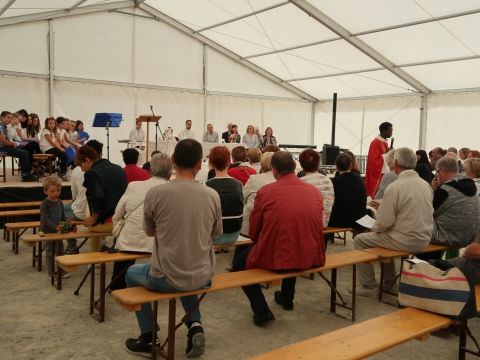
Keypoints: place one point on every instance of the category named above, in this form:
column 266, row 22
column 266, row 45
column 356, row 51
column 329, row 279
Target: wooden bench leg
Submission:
column 100, row 304
column 333, row 292
column 354, row 292
column 380, row 287
column 172, row 307
column 92, row 288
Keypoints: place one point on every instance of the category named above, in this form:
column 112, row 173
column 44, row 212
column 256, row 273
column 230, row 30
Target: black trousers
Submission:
column 119, row 267
column 61, row 156
column 254, row 292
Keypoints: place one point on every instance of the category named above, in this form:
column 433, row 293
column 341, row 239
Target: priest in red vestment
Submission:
column 378, row 147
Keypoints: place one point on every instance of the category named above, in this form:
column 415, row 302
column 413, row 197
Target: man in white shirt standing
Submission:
column 187, row 133
column 404, row 220
column 210, row 135
column 137, row 141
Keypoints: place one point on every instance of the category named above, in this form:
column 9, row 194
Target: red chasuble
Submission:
column 378, row 147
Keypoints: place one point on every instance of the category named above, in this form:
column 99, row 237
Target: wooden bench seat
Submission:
column 70, row 263
column 388, row 255
column 133, row 298
column 364, row 339
column 36, row 240
column 19, row 213
column 17, row 229
column 25, row 204
column 336, row 231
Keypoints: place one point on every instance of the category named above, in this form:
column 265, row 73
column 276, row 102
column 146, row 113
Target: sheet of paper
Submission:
column 366, row 221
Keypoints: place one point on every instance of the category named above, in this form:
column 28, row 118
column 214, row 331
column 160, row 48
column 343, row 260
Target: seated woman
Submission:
column 388, row 177
column 472, row 171
column 423, row 168
column 49, row 144
column 230, row 192
column 254, row 183
column 82, row 134
column 253, row 156
column 350, row 195
column 132, row 237
column 310, row 162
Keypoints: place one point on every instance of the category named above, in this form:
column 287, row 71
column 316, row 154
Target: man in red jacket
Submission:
column 378, row 147
column 287, row 231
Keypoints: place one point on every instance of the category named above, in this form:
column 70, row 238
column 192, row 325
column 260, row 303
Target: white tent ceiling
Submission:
column 355, row 48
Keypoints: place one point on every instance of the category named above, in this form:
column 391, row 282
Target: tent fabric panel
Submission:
column 363, row 84
column 175, row 107
column 202, row 13
column 450, row 75
column 25, row 7
column 290, row 121
column 172, row 59
column 21, row 92
column 242, row 112
column 80, row 101
column 31, row 54
column 329, row 58
column 453, row 120
column 418, row 43
column 402, row 112
column 102, row 49
column 224, row 74
column 267, row 31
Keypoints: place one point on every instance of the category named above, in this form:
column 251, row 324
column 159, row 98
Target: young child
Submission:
column 52, row 214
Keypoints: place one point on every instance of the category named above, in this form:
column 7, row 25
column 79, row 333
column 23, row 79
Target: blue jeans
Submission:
column 226, row 238
column 139, row 275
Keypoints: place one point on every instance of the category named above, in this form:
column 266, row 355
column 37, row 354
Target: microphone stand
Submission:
column 157, row 129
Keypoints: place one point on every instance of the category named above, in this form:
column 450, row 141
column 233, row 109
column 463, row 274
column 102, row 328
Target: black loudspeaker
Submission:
column 330, row 153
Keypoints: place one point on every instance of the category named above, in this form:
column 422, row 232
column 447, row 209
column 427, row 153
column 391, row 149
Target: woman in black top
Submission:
column 350, row 195
column 231, row 195
column 423, row 168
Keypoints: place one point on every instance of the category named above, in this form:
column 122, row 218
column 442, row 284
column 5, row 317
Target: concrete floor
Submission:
column 39, row 322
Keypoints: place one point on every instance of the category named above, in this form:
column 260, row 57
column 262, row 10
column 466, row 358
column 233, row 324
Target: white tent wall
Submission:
column 358, row 121
column 21, row 92
column 453, row 120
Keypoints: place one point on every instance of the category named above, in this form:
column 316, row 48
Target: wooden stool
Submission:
column 48, row 158
column 4, row 166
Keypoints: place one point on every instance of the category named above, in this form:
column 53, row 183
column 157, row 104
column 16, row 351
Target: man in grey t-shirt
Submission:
column 184, row 216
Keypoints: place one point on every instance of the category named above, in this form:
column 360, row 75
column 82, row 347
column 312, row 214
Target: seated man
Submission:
column 184, row 216
column 11, row 149
column 286, row 227
column 132, row 171
column 404, row 219
column 455, row 204
column 240, row 168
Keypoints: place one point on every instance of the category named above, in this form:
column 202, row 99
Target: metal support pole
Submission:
column 312, row 124
column 334, row 118
column 51, row 67
column 363, row 128
column 422, row 141
column 204, row 87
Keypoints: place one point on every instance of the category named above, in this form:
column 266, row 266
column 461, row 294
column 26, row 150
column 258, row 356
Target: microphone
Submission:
column 391, row 143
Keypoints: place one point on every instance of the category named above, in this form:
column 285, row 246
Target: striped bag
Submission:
column 424, row 286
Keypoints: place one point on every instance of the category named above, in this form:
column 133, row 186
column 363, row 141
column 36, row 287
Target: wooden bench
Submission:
column 37, row 239
column 70, row 263
column 3, row 160
column 388, row 255
column 335, row 230
column 25, row 204
column 462, row 339
column 48, row 158
column 364, row 339
column 17, row 229
column 133, row 298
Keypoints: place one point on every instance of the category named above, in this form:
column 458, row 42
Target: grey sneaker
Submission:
column 195, row 342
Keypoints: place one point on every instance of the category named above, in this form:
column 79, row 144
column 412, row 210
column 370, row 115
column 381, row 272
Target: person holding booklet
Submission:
column 404, row 220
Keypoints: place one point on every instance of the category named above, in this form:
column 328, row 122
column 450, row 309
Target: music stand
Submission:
column 107, row 120
column 148, row 119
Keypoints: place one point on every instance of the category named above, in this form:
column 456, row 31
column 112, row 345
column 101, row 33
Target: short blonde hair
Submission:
column 266, row 162
column 52, row 180
column 473, row 166
column 254, row 155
